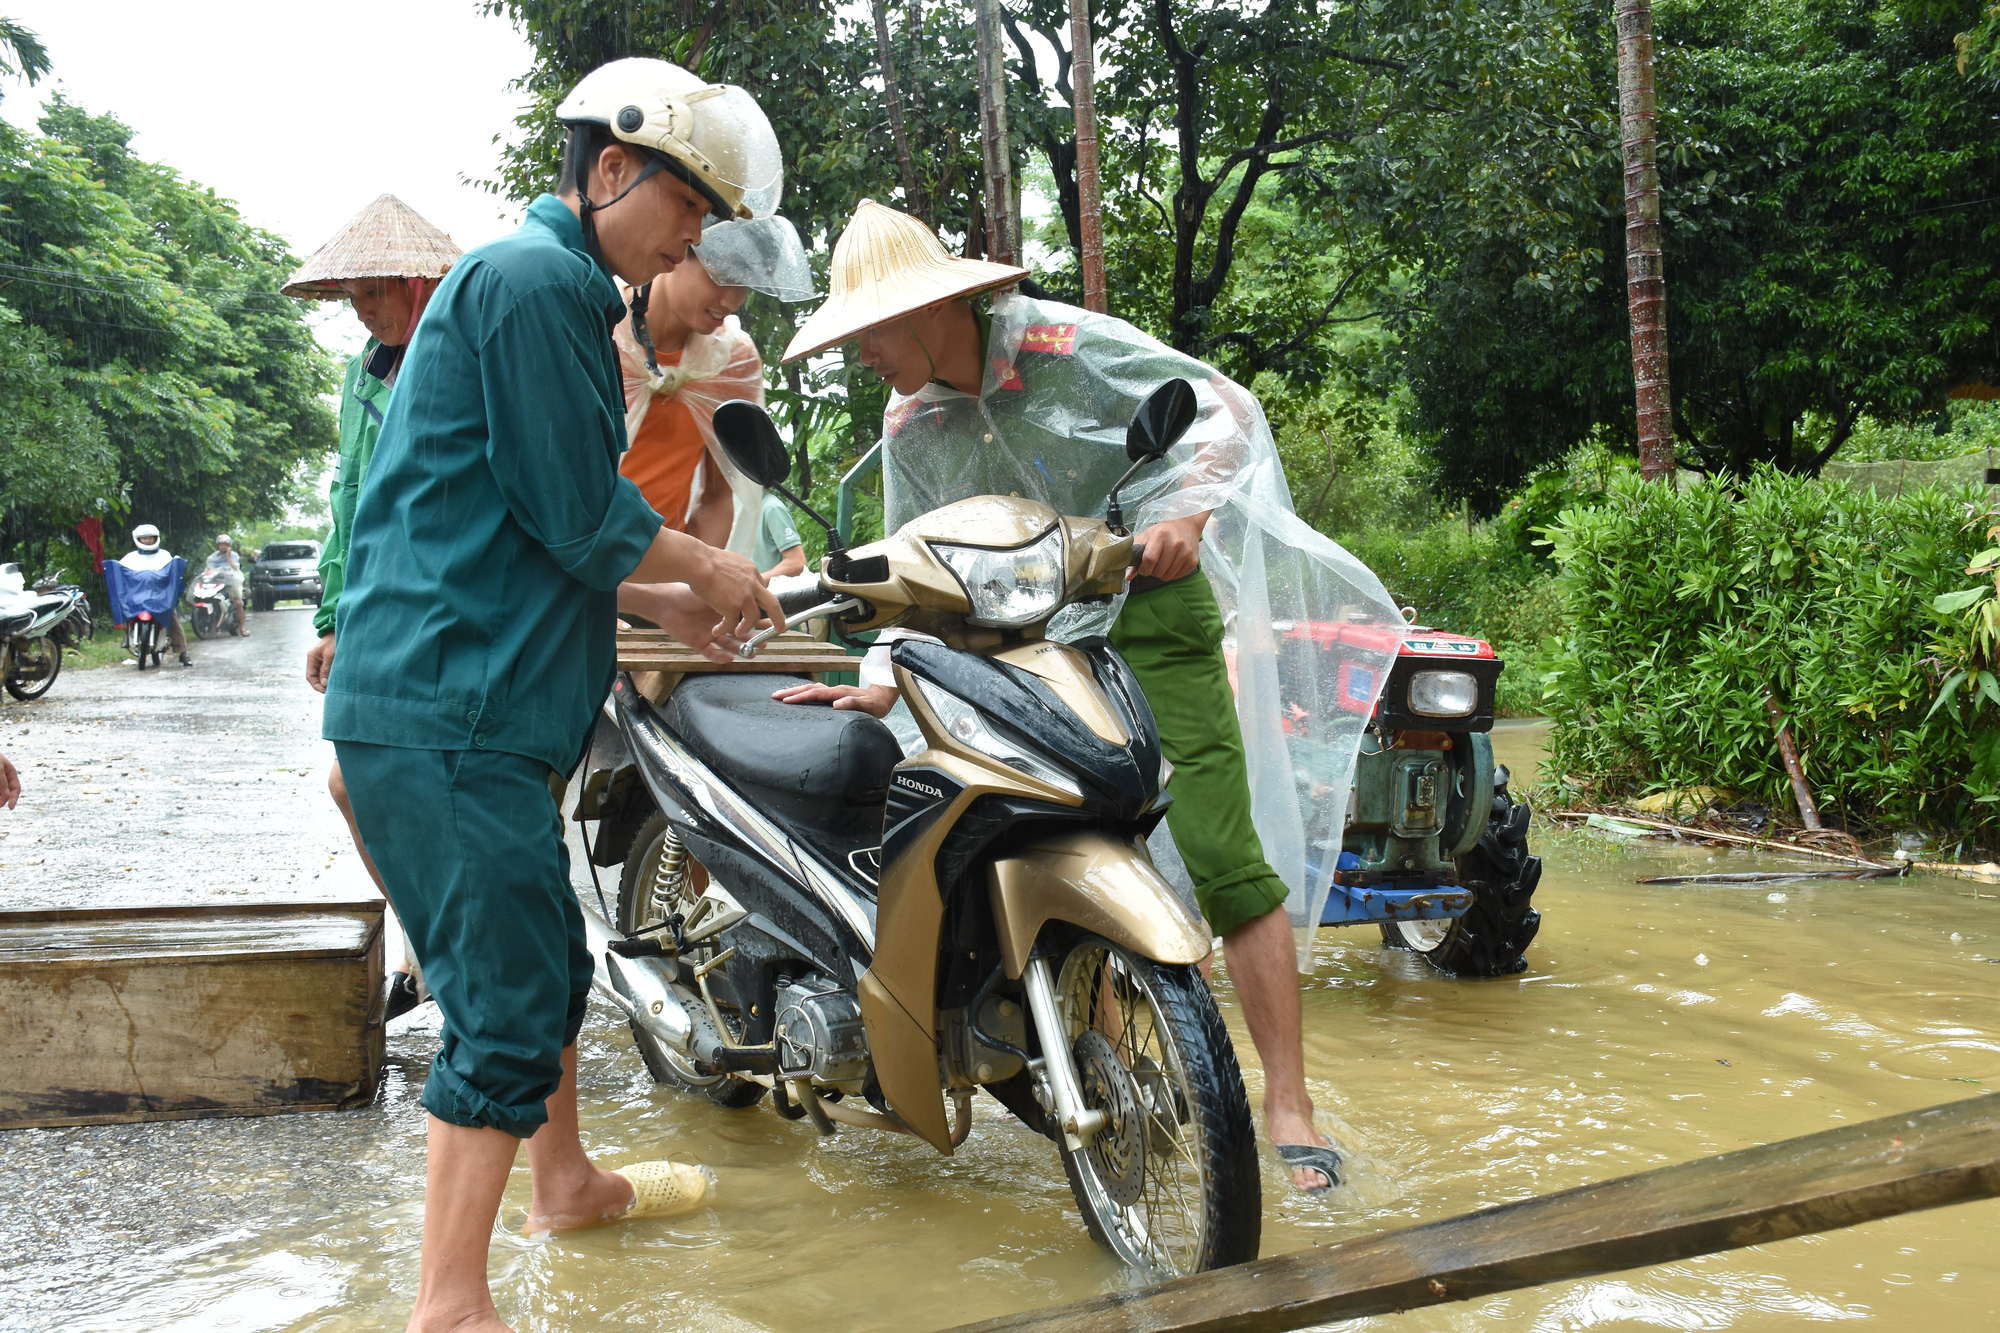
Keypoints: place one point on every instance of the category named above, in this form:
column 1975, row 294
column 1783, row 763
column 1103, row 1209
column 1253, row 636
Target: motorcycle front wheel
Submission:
column 1170, row 1184
column 34, row 670
column 204, row 622
column 636, row 911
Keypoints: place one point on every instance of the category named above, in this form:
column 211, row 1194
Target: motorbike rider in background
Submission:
column 147, row 553
column 385, row 262
column 1033, row 398
column 224, row 561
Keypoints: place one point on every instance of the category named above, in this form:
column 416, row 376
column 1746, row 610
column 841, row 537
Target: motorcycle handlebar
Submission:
column 797, row 592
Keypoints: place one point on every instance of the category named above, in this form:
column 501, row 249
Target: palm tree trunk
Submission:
column 1002, row 209
column 1645, row 278
column 915, row 197
column 1089, row 195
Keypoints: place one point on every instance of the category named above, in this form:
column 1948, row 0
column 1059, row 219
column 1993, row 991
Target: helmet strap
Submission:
column 580, row 145
column 642, row 296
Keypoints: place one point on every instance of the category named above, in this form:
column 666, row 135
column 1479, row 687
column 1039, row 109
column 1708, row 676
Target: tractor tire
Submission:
column 1492, row 938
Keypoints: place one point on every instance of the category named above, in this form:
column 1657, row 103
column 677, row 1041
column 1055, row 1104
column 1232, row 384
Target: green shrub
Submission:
column 1684, row 607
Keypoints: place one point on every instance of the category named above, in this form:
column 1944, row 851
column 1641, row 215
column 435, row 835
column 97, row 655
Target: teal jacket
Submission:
column 364, row 402
column 482, row 575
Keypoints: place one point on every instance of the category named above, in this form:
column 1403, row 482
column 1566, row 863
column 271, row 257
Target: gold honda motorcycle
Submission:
column 805, row 913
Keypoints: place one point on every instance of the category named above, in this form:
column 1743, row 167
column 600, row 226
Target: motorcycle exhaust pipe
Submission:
column 636, row 989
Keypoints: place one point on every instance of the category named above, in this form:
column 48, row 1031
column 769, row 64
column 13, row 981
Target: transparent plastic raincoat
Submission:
column 714, row 368
column 1061, row 385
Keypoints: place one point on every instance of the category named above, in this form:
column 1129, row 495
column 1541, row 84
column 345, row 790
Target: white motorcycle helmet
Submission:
column 145, row 536
column 713, row 136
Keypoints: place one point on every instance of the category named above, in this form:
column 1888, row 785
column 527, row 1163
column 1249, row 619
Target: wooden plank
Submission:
column 1841, row 1177
column 150, row 1013
column 791, row 653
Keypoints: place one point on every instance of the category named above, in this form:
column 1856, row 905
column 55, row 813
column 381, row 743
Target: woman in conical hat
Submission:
column 687, row 357
column 385, row 263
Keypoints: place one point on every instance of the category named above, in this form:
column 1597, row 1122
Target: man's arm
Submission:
column 724, row 580
column 793, row 561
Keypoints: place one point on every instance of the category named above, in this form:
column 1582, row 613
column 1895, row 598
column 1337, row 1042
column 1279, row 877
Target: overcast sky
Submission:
column 301, row 114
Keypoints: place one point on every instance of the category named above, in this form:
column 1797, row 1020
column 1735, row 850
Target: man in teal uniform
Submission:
column 385, row 262
column 1034, row 399
column 493, row 545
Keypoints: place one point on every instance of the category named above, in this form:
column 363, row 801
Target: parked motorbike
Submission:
column 35, row 627
column 213, row 613
column 804, row 912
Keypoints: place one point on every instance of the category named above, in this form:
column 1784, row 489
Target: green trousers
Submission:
column 470, row 847
column 1172, row 637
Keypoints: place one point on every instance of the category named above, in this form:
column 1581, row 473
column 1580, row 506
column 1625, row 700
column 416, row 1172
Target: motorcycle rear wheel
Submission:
column 635, row 912
column 1492, row 938
column 30, row 685
column 1170, row 1184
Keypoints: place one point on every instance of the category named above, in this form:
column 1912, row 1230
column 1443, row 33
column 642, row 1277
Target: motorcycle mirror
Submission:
column 1160, row 421
column 750, row 438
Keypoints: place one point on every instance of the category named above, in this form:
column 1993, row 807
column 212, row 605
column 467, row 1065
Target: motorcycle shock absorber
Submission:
column 669, row 874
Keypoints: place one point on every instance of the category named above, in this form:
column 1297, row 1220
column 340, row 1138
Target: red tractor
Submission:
column 1434, row 848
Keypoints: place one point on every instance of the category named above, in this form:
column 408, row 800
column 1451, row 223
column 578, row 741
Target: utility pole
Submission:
column 1089, row 194
column 1645, row 278
column 1002, row 219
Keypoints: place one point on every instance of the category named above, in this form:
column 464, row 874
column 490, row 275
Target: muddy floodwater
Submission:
column 1656, row 1024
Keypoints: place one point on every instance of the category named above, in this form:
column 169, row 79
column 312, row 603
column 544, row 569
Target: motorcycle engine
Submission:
column 819, row 1032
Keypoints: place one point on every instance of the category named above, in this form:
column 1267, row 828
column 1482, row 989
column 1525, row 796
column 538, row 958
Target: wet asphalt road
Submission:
column 175, row 786
column 178, row 785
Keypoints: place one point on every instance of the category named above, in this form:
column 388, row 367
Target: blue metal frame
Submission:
column 1376, row 903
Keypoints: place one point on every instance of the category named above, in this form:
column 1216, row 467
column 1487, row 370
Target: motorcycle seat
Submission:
column 824, row 771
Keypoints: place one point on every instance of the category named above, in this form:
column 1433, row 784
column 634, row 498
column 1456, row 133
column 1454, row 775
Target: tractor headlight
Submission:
column 963, row 723
column 1443, row 694
column 1009, row 589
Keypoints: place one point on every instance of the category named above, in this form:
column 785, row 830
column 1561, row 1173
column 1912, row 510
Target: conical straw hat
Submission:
column 387, row 239
column 888, row 264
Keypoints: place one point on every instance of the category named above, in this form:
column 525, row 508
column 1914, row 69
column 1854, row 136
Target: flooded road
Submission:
column 1656, row 1024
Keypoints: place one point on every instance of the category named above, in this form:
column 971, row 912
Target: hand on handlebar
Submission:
column 731, row 585
column 1169, row 550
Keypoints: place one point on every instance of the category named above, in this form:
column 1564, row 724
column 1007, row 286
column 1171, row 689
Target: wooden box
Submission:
column 170, row 1013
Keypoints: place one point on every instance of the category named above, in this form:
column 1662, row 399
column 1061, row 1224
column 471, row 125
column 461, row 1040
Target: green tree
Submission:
column 143, row 317
column 1832, row 252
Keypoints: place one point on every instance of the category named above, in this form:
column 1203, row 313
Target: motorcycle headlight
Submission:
column 964, row 724
column 1009, row 589
column 1443, row 694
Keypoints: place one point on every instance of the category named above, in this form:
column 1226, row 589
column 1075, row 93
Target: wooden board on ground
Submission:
column 789, row 653
column 1857, row 1173
column 171, row 1013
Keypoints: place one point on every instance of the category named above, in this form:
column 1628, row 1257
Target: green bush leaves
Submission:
column 1683, row 607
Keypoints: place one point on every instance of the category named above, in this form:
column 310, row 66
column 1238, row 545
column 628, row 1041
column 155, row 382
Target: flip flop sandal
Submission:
column 1312, row 1157
column 664, row 1189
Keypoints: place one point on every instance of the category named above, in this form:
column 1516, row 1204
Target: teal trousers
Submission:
column 1172, row 638
column 469, row 843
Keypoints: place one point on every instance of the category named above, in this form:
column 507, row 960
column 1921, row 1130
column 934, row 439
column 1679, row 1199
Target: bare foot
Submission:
column 485, row 1320
column 563, row 1206
column 1288, row 1125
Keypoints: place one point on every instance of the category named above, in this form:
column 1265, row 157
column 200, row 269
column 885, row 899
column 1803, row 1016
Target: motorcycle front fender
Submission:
column 1100, row 883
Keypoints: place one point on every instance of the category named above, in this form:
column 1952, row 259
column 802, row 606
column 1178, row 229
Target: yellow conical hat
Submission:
column 888, row 264
column 387, row 239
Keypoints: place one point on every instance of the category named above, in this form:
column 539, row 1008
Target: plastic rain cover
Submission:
column 714, row 368
column 1061, row 385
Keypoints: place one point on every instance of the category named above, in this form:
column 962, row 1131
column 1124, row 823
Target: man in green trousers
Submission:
column 1033, row 398
column 493, row 546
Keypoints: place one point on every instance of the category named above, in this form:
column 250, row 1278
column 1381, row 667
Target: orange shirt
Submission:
column 664, row 455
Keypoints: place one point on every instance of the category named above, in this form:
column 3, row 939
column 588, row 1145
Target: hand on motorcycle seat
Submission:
column 874, row 700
